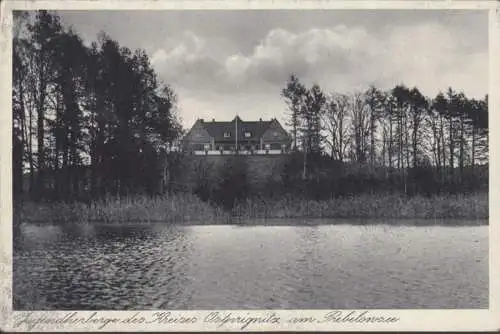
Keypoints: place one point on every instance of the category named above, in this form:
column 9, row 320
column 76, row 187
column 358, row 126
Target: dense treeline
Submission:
column 88, row 120
column 420, row 144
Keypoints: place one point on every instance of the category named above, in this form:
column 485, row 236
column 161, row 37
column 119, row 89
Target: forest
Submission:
column 95, row 112
column 406, row 142
column 96, row 130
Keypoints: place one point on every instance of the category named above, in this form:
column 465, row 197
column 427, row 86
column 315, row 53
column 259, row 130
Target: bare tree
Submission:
column 360, row 127
column 374, row 102
column 336, row 124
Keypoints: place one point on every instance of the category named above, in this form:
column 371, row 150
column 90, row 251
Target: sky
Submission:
column 223, row 63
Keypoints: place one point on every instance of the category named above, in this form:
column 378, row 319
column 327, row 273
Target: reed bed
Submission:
column 184, row 207
column 173, row 208
column 473, row 206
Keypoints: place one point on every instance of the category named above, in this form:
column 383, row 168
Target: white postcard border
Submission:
column 408, row 320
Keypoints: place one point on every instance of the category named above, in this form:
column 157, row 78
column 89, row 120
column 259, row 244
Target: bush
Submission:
column 233, row 182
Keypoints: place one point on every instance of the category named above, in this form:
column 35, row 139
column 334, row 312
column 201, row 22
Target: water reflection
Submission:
column 97, row 267
column 160, row 266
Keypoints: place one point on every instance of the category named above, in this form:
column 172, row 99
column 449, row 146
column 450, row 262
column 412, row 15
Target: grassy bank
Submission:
column 474, row 206
column 189, row 208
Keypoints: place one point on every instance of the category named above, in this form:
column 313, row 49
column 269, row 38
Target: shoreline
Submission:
column 188, row 209
column 292, row 222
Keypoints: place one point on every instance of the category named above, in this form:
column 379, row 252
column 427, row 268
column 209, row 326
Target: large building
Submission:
column 237, row 137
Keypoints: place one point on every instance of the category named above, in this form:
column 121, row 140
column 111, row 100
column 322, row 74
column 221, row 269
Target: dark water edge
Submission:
column 236, row 221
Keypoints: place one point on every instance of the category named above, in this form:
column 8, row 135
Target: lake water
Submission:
column 314, row 265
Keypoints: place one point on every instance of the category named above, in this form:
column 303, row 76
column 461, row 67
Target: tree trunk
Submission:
column 473, row 153
column 390, row 142
column 451, row 146
column 372, row 136
column 304, row 172
column 443, row 148
column 40, row 141
column 384, row 138
column 462, row 148
column 415, row 140
column 341, row 138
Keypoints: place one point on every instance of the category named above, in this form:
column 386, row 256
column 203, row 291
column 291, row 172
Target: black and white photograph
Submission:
column 250, row 159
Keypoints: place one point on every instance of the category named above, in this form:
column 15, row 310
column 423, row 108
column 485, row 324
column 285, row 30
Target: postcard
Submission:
column 249, row 165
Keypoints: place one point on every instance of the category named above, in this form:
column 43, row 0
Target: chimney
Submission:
column 201, row 120
column 213, row 120
column 260, row 119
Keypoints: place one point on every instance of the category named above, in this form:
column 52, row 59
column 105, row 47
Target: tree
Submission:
column 310, row 130
column 452, row 112
column 432, row 122
column 360, row 128
column 477, row 115
column 425, row 139
column 20, row 129
column 418, row 107
column 70, row 60
column 440, row 105
column 43, row 34
column 402, row 96
column 311, row 115
column 335, row 123
column 374, row 101
column 76, row 109
column 463, row 106
column 294, row 94
column 388, row 119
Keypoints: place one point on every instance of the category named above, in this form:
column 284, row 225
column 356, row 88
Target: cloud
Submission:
column 427, row 56
column 433, row 57
column 185, row 62
column 430, row 56
column 424, row 55
column 307, row 54
column 189, row 61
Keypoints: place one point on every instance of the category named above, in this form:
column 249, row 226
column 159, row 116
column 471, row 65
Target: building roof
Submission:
column 217, row 129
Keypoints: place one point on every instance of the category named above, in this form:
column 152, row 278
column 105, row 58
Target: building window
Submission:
column 275, row 134
column 248, row 134
column 268, row 146
column 207, row 147
column 227, row 134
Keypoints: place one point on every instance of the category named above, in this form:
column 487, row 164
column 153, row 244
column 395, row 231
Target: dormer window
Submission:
column 227, row 134
column 248, row 134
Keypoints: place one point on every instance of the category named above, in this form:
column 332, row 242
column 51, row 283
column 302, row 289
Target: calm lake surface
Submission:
column 312, row 265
